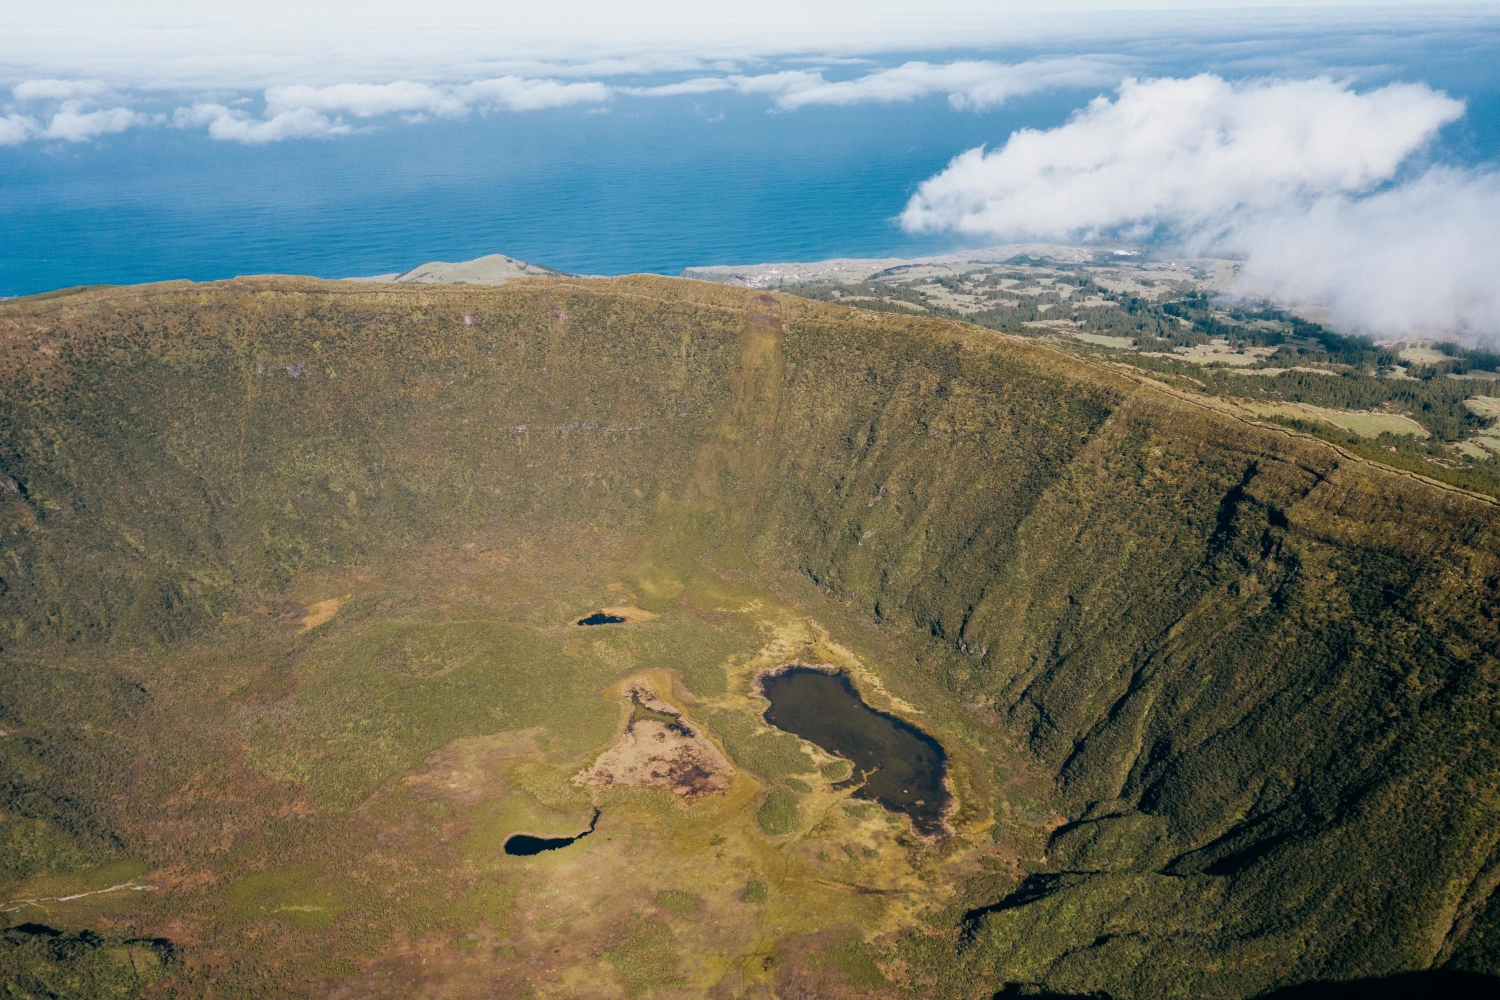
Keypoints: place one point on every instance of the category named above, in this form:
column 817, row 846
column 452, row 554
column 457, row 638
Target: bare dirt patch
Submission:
column 1273, row 372
column 1365, row 424
column 1487, row 441
column 662, row 747
column 322, row 612
column 1422, row 354
column 1123, row 343
column 1216, row 351
column 476, row 769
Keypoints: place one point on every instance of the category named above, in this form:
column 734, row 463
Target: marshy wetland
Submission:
column 659, row 747
column 1201, row 703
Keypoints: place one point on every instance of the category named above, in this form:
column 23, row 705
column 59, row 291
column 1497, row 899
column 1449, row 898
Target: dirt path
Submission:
column 17, row 904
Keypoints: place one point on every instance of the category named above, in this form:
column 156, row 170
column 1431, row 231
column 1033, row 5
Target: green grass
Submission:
column 489, row 901
column 374, row 702
column 766, row 752
column 292, row 897
column 646, row 960
column 678, row 901
column 778, row 814
column 837, row 770
column 856, row 960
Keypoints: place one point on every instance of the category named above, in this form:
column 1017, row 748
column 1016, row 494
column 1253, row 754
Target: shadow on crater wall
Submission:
column 1446, row 983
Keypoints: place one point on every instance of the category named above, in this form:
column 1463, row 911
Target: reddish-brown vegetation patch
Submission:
column 660, row 747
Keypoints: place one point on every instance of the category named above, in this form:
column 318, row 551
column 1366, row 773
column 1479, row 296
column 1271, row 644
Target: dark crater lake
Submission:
column 525, row 845
column 600, row 618
column 901, row 767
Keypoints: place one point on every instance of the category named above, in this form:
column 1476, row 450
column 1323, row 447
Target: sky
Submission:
column 162, row 44
column 1330, row 167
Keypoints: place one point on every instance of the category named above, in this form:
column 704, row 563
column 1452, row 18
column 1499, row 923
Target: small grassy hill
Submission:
column 1220, row 697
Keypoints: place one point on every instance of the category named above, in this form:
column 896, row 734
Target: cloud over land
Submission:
column 1311, row 181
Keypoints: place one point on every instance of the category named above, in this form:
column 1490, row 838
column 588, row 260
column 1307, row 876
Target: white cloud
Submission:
column 364, row 100
column 57, row 90
column 15, row 129
column 520, row 94
column 297, row 111
column 200, row 114
column 74, row 117
column 294, row 111
column 72, row 124
column 1182, row 152
column 1300, row 176
column 306, row 112
column 784, row 82
column 192, row 46
column 1419, row 258
column 997, row 84
column 969, row 84
column 230, row 125
column 974, row 84
column 72, row 121
column 696, row 85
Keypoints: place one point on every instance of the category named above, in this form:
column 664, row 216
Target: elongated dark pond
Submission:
column 525, row 845
column 901, row 767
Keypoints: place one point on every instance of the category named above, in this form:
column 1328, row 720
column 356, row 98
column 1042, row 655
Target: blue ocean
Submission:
column 652, row 184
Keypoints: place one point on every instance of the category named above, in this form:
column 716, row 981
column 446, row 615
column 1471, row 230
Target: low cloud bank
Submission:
column 365, row 100
column 233, row 125
column 1310, row 181
column 71, row 122
column 221, row 48
column 302, row 112
column 1419, row 258
column 66, row 111
column 970, row 85
column 73, row 109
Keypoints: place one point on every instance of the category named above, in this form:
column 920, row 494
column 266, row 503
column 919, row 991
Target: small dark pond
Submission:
column 525, row 845
column 600, row 618
column 901, row 767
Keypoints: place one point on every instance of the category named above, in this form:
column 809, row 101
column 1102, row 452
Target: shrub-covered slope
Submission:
column 1257, row 675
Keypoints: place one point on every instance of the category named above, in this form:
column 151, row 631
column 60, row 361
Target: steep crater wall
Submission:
column 1262, row 674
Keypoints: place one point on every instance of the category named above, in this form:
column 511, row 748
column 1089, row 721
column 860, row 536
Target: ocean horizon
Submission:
column 637, row 184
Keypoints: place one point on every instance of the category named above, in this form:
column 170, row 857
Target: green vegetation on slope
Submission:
column 1220, row 699
column 41, row 963
column 1261, row 353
